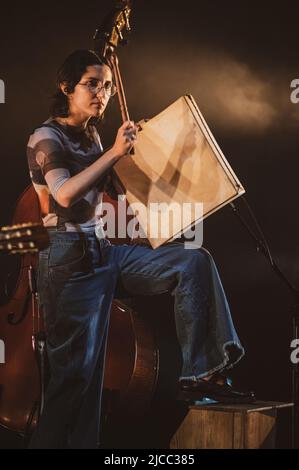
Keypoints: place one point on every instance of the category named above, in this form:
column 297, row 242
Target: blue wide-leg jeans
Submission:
column 77, row 280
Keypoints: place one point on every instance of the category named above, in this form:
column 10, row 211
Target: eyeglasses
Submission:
column 109, row 88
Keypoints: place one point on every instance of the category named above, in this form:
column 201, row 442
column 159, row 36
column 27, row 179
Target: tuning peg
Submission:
column 127, row 19
column 24, row 252
column 18, row 226
column 120, row 35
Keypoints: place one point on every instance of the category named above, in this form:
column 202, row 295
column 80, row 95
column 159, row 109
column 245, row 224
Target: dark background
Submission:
column 237, row 59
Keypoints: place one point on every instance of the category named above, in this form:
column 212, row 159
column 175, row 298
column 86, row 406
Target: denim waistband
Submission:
column 66, row 238
column 64, row 235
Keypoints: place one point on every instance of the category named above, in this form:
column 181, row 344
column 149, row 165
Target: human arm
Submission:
column 70, row 189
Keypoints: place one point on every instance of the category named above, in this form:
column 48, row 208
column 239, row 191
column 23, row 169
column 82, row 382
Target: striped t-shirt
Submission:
column 55, row 153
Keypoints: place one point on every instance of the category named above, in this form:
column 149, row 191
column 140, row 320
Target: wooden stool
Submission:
column 220, row 426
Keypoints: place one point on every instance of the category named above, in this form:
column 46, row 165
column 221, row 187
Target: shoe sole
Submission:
column 193, row 397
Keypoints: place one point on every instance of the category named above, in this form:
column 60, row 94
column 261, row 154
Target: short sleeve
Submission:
column 45, row 149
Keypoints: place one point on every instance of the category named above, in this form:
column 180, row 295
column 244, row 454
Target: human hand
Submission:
column 125, row 139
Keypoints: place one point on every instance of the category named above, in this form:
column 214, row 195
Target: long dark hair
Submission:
column 70, row 74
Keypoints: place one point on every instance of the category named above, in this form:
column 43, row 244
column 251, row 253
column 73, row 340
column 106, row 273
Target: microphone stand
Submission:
column 263, row 249
column 38, row 340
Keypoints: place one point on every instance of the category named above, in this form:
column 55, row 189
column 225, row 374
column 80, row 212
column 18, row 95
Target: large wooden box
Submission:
column 229, row 427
